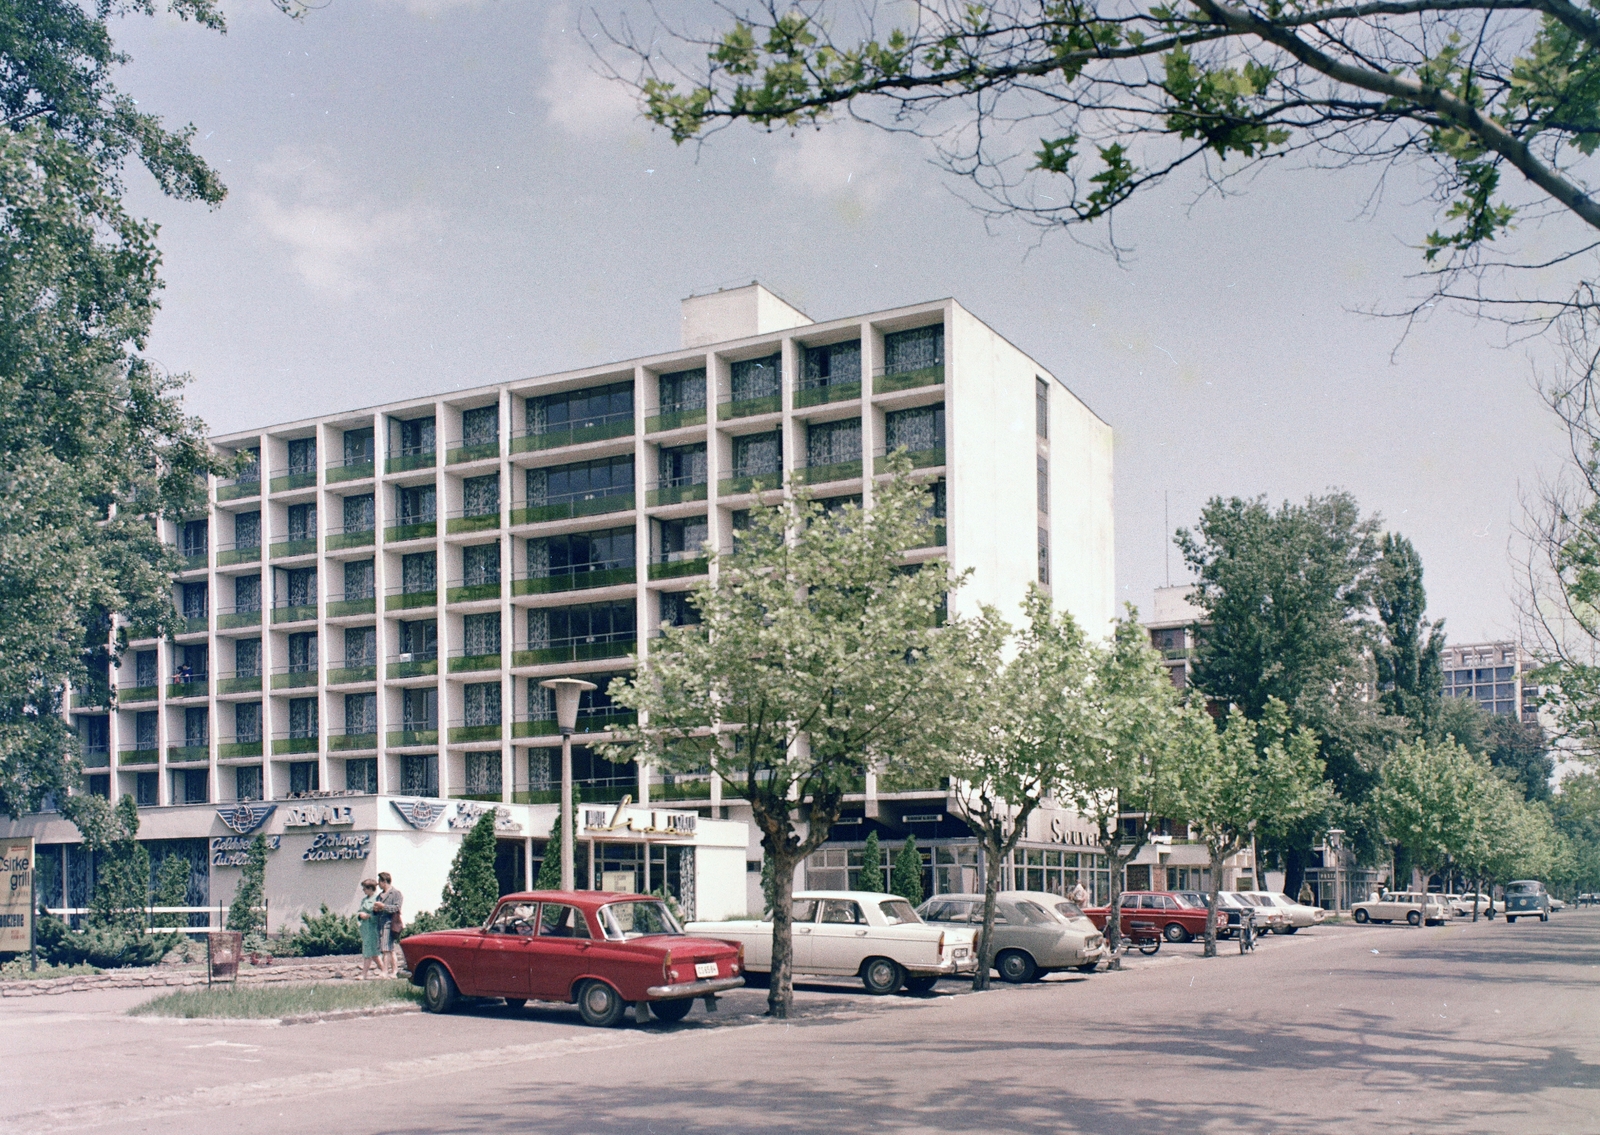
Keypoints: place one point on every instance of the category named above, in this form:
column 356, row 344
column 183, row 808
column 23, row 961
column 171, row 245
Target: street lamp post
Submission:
column 568, row 691
column 1335, row 842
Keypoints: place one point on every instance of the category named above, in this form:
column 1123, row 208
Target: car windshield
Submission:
column 1523, row 889
column 1192, row 899
column 897, row 911
column 635, row 919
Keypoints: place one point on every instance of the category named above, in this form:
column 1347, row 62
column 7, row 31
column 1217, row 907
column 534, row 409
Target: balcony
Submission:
column 348, row 675
column 596, row 719
column 568, row 508
column 602, row 427
column 294, row 741
column 908, row 379
column 349, row 607
column 678, row 490
column 138, row 756
column 95, row 758
column 463, row 521
column 198, row 686
column 230, row 554
column 133, row 695
column 833, row 392
column 750, row 483
column 354, row 468
column 95, row 695
column 352, row 742
column 410, row 458
column 188, row 754
column 232, row 618
column 463, row 663
column 920, row 458
column 399, row 599
column 193, row 561
column 293, row 677
column 825, row 474
column 609, row 791
column 675, row 420
column 417, row 530
column 416, row 664
column 288, row 480
column 585, row 649
column 459, row 592
column 409, row 738
column 341, row 538
column 675, row 565
column 193, row 624
column 580, row 578
column 682, row 789
column 237, row 683
column 293, row 613
column 239, row 747
column 463, row 734
column 459, row 453
column 750, row 407
column 238, row 488
column 283, row 547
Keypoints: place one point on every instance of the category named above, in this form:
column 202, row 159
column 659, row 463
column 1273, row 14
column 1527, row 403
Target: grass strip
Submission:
column 19, row 970
column 272, row 1001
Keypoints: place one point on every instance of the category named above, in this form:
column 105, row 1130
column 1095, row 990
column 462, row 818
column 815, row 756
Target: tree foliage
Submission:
column 472, row 888
column 1060, row 112
column 247, row 912
column 819, row 651
column 871, row 877
column 1408, row 649
column 906, row 878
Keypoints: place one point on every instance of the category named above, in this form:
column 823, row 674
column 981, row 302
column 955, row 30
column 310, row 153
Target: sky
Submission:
column 426, row 196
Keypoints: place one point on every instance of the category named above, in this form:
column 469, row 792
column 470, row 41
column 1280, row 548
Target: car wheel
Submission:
column 1511, row 919
column 1415, row 918
column 1290, row 930
column 1544, row 918
column 882, row 976
column 1015, row 966
column 516, row 1002
column 599, row 1004
column 672, row 1011
column 1090, row 968
column 1361, row 916
column 922, row 984
column 438, row 990
column 1176, row 933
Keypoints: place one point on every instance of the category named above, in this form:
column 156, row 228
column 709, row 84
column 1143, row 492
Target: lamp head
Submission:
column 568, row 691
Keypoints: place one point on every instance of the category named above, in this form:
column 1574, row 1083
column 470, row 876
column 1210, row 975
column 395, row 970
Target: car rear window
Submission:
column 949, row 911
column 622, row 920
column 1069, row 910
column 1033, row 914
column 898, row 911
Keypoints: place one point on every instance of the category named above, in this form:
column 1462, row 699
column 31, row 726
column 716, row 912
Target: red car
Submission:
column 1155, row 912
column 598, row 949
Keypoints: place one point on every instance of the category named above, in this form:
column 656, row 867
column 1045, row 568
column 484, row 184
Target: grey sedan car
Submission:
column 1035, row 932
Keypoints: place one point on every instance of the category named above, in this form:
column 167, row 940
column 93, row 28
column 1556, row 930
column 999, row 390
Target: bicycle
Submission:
column 1148, row 939
column 1247, row 931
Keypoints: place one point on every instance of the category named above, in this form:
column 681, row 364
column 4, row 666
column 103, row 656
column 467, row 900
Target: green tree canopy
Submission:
column 1408, row 648
column 906, row 878
column 471, row 889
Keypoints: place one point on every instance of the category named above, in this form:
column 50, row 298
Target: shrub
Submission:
column 245, row 913
column 323, row 934
column 172, row 889
column 871, row 877
column 108, row 947
column 906, row 880
column 472, row 889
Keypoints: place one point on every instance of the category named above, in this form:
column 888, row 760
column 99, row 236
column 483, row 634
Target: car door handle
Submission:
column 803, row 929
column 861, row 933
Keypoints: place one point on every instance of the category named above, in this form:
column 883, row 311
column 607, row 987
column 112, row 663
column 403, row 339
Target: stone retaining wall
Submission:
column 289, row 969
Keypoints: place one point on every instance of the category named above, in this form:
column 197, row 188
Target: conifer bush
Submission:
column 472, row 889
column 871, row 877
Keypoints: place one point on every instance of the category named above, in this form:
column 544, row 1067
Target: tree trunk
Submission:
column 1211, row 904
column 1114, row 909
column 1294, row 871
column 992, row 856
column 780, row 987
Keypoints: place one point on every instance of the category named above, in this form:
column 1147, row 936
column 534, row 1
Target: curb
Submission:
column 349, row 1014
column 175, row 977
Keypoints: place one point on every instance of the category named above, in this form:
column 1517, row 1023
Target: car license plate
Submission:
column 705, row 969
column 960, row 952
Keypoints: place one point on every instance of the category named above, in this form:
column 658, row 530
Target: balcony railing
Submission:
column 198, row 685
column 133, row 695
column 284, row 547
column 228, row 554
column 399, row 599
column 340, row 538
column 750, row 482
column 676, row 490
column 294, row 676
column 413, row 664
column 460, row 452
column 591, row 719
column 95, row 695
column 461, row 662
column 410, row 457
column 248, row 745
column 580, row 649
column 674, row 565
column 415, row 735
column 609, row 573
column 419, row 529
column 97, row 757
column 352, row 742
column 460, row 591
column 233, row 682
column 194, row 561
column 750, row 407
column 907, row 379
column 609, row 790
column 357, row 467
column 601, row 427
column 193, row 624
column 287, row 480
column 294, row 741
column 352, row 673
column 231, row 618
column 825, row 474
column 920, row 458
column 237, row 488
column 139, row 756
column 348, row 605
column 573, row 506
column 188, row 754
column 294, row 612
column 832, row 392
column 461, row 733
column 464, row 521
column 675, row 420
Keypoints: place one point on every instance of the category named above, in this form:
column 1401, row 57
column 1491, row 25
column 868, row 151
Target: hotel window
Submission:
column 246, row 722
column 196, row 727
column 481, row 426
column 919, row 430
column 247, row 783
column 483, row 774
column 419, row 775
column 480, row 496
column 250, row 471
column 833, row 443
column 1044, row 555
column 585, row 480
column 246, row 593
column 145, row 788
column 420, row 710
column 360, row 447
column 834, row 365
column 913, row 350
column 361, row 775
column 360, row 579
column 677, row 611
column 302, row 522
column 191, row 663
column 303, row 777
column 480, row 634
column 757, row 378
column 300, row 587
column 480, row 564
column 684, row 465
column 580, row 409
column 416, row 437
column 1041, row 407
column 360, row 646
column 194, row 600
column 302, row 718
column 247, row 530
column 418, row 573
column 303, row 653
column 757, row 455
column 144, row 668
column 590, row 623
column 681, row 539
column 303, row 455
column 1044, row 482
column 419, row 639
column 360, row 513
column 481, row 703
column 580, row 552
column 415, row 505
column 194, row 537
column 360, row 714
column 682, row 391
column 247, row 658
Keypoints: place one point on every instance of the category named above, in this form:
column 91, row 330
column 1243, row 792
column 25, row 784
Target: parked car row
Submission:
column 1180, row 916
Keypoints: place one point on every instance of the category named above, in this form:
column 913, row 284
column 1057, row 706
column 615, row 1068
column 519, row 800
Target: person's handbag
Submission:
column 395, row 924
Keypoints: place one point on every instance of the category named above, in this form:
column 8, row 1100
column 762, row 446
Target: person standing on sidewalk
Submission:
column 368, row 920
column 387, row 907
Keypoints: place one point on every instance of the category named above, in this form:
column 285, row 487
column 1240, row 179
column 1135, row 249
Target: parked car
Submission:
column 1526, row 898
column 1461, row 905
column 876, row 937
column 1402, row 906
column 1556, row 904
column 1166, row 913
column 1298, row 915
column 598, row 949
column 1034, row 933
column 1589, row 898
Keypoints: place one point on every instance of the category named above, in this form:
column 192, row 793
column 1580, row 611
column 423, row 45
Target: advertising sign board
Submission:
column 16, row 894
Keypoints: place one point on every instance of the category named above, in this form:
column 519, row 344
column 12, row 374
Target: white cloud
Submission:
column 337, row 239
column 844, row 162
column 578, row 98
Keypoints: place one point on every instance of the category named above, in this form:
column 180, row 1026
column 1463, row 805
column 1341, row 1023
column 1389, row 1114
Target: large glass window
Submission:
column 144, row 668
column 418, row 573
column 757, row 455
column 247, row 782
column 585, row 480
column 677, row 610
column 480, row 564
column 302, row 717
column 480, row 426
column 917, row 430
column 591, row 622
column 683, row 390
column 591, row 703
column 302, row 522
column 194, row 786
column 194, row 601
column 416, row 437
column 145, row 730
column 480, row 634
column 757, row 378
column 247, row 658
column 833, row 365
column 360, row 714
column 480, row 496
column 832, row 443
column 360, row 646
column 360, row 515
column 483, row 774
column 300, row 587
column 684, row 464
column 579, row 552
column 247, row 593
column 1041, row 407
column 361, row 775
column 360, row 446
column 681, row 539
column 912, row 350
column 304, row 776
column 420, row 710
column 303, row 653
column 247, row 530
column 360, row 579
column 578, row 409
column 193, row 538
column 419, row 775
column 416, row 505
column 481, row 703
column 303, row 455
column 419, row 638
column 196, row 727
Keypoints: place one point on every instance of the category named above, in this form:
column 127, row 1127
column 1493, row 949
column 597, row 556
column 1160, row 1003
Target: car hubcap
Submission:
column 599, row 999
column 880, row 974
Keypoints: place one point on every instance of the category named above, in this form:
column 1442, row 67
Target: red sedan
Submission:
column 1155, row 912
column 597, row 949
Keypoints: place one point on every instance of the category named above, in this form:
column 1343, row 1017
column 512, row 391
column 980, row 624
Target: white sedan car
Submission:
column 1461, row 905
column 876, row 937
column 1298, row 914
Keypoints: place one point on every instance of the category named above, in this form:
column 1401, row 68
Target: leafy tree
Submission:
column 906, row 878
column 1408, row 648
column 819, row 651
column 1430, row 803
column 1120, row 97
column 110, row 832
column 871, row 876
column 247, row 913
column 1245, row 780
column 172, row 889
column 471, row 889
column 1519, row 751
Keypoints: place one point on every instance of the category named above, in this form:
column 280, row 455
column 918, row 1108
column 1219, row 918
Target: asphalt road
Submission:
column 1461, row 1028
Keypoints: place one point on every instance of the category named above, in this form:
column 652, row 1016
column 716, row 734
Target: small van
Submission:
column 1526, row 898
